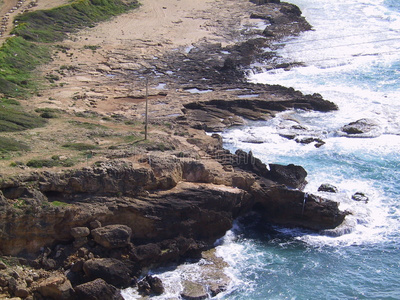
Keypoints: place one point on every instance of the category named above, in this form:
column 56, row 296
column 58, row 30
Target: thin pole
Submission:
column 147, row 108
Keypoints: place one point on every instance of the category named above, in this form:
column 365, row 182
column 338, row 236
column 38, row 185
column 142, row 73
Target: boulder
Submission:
column 326, row 187
column 113, row 271
column 97, row 290
column 79, row 232
column 150, row 285
column 56, row 287
column 112, row 236
column 362, row 128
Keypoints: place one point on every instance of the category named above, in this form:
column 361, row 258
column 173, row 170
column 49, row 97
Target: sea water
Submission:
column 351, row 57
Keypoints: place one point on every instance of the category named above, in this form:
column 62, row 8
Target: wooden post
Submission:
column 147, row 108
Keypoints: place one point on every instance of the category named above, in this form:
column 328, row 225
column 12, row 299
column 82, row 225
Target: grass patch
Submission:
column 59, row 204
column 80, row 146
column 54, row 24
column 18, row 58
column 132, row 138
column 10, row 145
column 13, row 118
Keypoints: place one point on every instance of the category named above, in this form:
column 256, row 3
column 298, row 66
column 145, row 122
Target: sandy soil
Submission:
column 126, row 41
column 95, row 79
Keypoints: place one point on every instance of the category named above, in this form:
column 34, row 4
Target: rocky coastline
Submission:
column 85, row 233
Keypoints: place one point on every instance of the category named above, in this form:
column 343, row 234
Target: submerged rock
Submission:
column 360, row 197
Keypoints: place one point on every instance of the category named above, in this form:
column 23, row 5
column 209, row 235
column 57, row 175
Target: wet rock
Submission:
column 56, row 287
column 113, row 271
column 97, row 290
column 326, row 187
column 309, row 140
column 156, row 284
column 296, row 208
column 78, row 232
column 193, row 291
column 361, row 197
column 362, row 128
column 150, row 285
column 112, row 236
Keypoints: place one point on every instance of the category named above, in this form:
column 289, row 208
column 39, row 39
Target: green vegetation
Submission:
column 13, row 118
column 80, row 146
column 92, row 47
column 10, row 145
column 19, row 204
column 49, row 163
column 48, row 113
column 18, row 58
column 59, row 204
column 53, row 24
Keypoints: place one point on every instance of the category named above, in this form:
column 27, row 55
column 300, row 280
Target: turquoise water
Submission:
column 352, row 57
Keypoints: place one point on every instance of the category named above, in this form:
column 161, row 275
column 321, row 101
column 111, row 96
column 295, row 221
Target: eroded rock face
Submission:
column 292, row 176
column 216, row 115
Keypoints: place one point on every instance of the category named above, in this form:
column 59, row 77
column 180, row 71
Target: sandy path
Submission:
column 9, row 9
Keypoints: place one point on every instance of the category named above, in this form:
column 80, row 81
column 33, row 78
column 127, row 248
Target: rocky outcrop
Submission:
column 292, row 176
column 278, row 205
column 215, row 115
